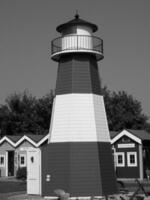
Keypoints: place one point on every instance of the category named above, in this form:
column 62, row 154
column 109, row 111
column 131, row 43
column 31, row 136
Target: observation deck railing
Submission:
column 74, row 43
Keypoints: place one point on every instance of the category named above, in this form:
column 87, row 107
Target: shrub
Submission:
column 21, row 173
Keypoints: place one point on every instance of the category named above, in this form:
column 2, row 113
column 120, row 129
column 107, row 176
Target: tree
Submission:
column 24, row 114
column 4, row 120
column 43, row 109
column 123, row 111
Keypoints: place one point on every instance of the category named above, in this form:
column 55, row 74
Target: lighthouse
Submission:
column 78, row 158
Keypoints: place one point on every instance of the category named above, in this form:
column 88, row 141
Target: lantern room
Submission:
column 77, row 36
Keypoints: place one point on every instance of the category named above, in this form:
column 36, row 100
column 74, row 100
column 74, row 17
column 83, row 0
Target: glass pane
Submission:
column 22, row 160
column 1, row 160
column 120, row 159
column 132, row 159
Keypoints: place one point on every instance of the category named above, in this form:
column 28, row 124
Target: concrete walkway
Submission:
column 30, row 197
column 25, row 197
column 19, row 196
column 10, row 179
column 131, row 185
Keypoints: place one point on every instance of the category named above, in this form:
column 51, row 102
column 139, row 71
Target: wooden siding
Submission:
column 64, row 77
column 126, row 171
column 79, row 117
column 100, row 119
column 82, row 169
column 20, row 149
column 24, row 144
column 3, row 168
column 4, row 147
column 95, row 78
column 108, row 176
column 78, row 73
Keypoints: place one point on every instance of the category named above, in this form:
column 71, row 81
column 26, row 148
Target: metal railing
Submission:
column 77, row 42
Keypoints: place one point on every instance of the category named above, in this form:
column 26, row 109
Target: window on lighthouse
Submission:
column 69, row 38
column 71, row 30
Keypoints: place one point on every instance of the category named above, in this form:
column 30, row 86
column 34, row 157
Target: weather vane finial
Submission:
column 77, row 15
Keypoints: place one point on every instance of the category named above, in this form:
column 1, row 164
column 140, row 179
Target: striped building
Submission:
column 77, row 158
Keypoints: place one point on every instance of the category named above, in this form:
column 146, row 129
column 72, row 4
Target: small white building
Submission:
column 22, row 151
column 131, row 149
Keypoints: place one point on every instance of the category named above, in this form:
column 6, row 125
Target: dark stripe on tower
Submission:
column 78, row 73
column 80, row 168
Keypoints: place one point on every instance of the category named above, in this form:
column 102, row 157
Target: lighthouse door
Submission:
column 33, row 171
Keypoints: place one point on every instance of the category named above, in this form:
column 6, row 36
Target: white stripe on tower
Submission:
column 79, row 118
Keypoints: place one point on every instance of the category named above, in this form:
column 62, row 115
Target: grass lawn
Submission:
column 132, row 186
column 16, row 190
column 12, row 186
column 9, row 188
column 6, row 196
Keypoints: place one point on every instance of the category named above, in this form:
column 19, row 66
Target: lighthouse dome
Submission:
column 77, row 37
column 76, row 22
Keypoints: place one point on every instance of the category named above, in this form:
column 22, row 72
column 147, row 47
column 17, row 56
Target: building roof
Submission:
column 35, row 140
column 113, row 134
column 14, row 138
column 136, row 135
column 142, row 134
column 76, row 21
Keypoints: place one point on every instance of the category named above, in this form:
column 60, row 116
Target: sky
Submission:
column 28, row 26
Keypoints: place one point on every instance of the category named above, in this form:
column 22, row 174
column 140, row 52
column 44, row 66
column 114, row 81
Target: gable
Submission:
column 6, row 146
column 7, row 140
column 128, row 135
column 26, row 140
column 23, row 144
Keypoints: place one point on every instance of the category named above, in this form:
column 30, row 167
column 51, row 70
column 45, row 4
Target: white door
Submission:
column 33, row 171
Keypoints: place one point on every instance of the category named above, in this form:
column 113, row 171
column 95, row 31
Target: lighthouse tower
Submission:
column 77, row 158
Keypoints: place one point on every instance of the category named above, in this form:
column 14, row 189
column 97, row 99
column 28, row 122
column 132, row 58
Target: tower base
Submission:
column 79, row 168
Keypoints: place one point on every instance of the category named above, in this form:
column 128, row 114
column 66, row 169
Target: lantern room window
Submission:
column 71, row 30
column 77, row 43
